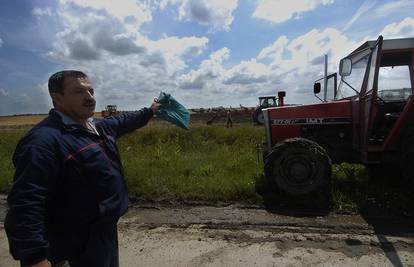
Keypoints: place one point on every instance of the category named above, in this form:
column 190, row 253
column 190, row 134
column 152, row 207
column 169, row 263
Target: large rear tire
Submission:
column 298, row 166
column 407, row 157
column 258, row 116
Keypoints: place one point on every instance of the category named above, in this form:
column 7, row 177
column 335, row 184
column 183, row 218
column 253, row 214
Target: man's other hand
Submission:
column 155, row 106
column 43, row 263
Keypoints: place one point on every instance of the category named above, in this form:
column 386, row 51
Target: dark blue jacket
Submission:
column 66, row 179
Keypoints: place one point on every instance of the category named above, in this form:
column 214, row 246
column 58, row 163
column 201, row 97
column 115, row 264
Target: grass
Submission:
column 212, row 163
column 8, row 141
column 205, row 163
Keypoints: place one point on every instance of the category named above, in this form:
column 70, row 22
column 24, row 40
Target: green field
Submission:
column 213, row 163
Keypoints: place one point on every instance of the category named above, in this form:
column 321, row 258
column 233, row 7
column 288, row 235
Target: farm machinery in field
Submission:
column 110, row 110
column 368, row 118
column 267, row 102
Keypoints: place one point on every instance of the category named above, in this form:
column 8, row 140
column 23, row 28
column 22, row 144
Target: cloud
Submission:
column 286, row 64
column 210, row 69
column 81, row 50
column 3, row 92
column 129, row 10
column 104, row 34
column 33, row 101
column 118, row 44
column 37, row 11
column 295, row 64
column 1, row 42
column 403, row 29
column 392, row 7
column 216, row 14
column 301, row 52
column 248, row 72
column 366, row 6
column 278, row 11
column 126, row 67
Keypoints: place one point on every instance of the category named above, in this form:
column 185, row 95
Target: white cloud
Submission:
column 3, row 92
column 392, row 7
column 248, row 72
column 210, row 70
column 129, row 68
column 366, row 6
column 37, row 11
column 124, row 10
column 216, row 14
column 278, row 11
column 126, row 67
column 403, row 29
column 290, row 65
column 1, row 42
column 296, row 64
column 306, row 50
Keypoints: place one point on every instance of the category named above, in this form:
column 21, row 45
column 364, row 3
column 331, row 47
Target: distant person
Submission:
column 229, row 122
column 69, row 189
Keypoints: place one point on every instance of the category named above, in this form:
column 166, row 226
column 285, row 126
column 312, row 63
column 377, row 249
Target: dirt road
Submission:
column 234, row 235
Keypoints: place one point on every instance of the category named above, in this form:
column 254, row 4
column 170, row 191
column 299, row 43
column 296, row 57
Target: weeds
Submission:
column 213, row 163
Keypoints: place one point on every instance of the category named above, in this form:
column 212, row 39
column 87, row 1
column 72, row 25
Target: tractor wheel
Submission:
column 407, row 157
column 298, row 166
column 258, row 116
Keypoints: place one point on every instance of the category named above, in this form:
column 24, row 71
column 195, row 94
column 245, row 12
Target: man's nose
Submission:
column 89, row 95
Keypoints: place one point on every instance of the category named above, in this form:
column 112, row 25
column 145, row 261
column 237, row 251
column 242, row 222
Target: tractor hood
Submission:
column 286, row 121
column 335, row 112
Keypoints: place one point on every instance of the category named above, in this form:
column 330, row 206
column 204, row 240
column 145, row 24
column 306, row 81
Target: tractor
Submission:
column 368, row 119
column 110, row 110
column 266, row 102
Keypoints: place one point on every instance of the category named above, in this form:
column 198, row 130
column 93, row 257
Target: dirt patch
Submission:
column 235, row 235
column 195, row 246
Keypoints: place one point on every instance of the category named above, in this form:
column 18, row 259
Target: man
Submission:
column 229, row 120
column 69, row 190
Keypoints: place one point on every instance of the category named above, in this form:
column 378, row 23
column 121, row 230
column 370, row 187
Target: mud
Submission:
column 160, row 234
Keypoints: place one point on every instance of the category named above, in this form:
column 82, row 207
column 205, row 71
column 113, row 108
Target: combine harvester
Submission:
column 369, row 120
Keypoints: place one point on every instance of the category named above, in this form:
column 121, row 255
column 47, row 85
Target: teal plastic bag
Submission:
column 172, row 111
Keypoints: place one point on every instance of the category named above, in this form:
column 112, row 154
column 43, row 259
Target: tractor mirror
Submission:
column 316, row 88
column 345, row 67
column 281, row 94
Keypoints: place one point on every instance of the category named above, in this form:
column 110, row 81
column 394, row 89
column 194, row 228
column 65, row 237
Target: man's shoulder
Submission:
column 43, row 133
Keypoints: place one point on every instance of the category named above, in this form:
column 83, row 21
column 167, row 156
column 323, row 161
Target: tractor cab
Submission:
column 377, row 77
column 267, row 101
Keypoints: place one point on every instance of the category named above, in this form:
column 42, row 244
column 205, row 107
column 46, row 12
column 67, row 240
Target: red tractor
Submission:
column 368, row 118
column 267, row 102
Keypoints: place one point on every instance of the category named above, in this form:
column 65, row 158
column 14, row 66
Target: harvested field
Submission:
column 11, row 121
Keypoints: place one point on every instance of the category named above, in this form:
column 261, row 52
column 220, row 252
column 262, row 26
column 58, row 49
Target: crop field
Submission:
column 214, row 163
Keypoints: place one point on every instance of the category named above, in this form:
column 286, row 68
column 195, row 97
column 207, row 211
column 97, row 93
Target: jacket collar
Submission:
column 68, row 123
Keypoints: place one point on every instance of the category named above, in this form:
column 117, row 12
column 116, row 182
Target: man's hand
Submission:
column 43, row 263
column 155, row 106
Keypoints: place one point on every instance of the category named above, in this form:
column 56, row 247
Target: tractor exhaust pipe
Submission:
column 280, row 95
column 325, row 80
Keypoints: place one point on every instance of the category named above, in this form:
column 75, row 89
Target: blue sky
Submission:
column 205, row 53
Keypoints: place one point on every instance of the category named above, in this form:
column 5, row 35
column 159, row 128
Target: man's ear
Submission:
column 56, row 99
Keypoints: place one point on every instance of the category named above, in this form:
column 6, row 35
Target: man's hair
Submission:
column 56, row 80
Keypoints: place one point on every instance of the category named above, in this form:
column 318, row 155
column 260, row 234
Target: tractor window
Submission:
column 354, row 80
column 394, row 83
column 330, row 88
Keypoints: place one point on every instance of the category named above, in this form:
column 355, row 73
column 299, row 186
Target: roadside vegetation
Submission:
column 213, row 163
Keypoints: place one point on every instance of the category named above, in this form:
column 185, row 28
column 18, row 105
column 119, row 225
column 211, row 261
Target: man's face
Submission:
column 77, row 100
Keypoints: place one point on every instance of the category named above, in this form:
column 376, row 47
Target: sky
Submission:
column 205, row 53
